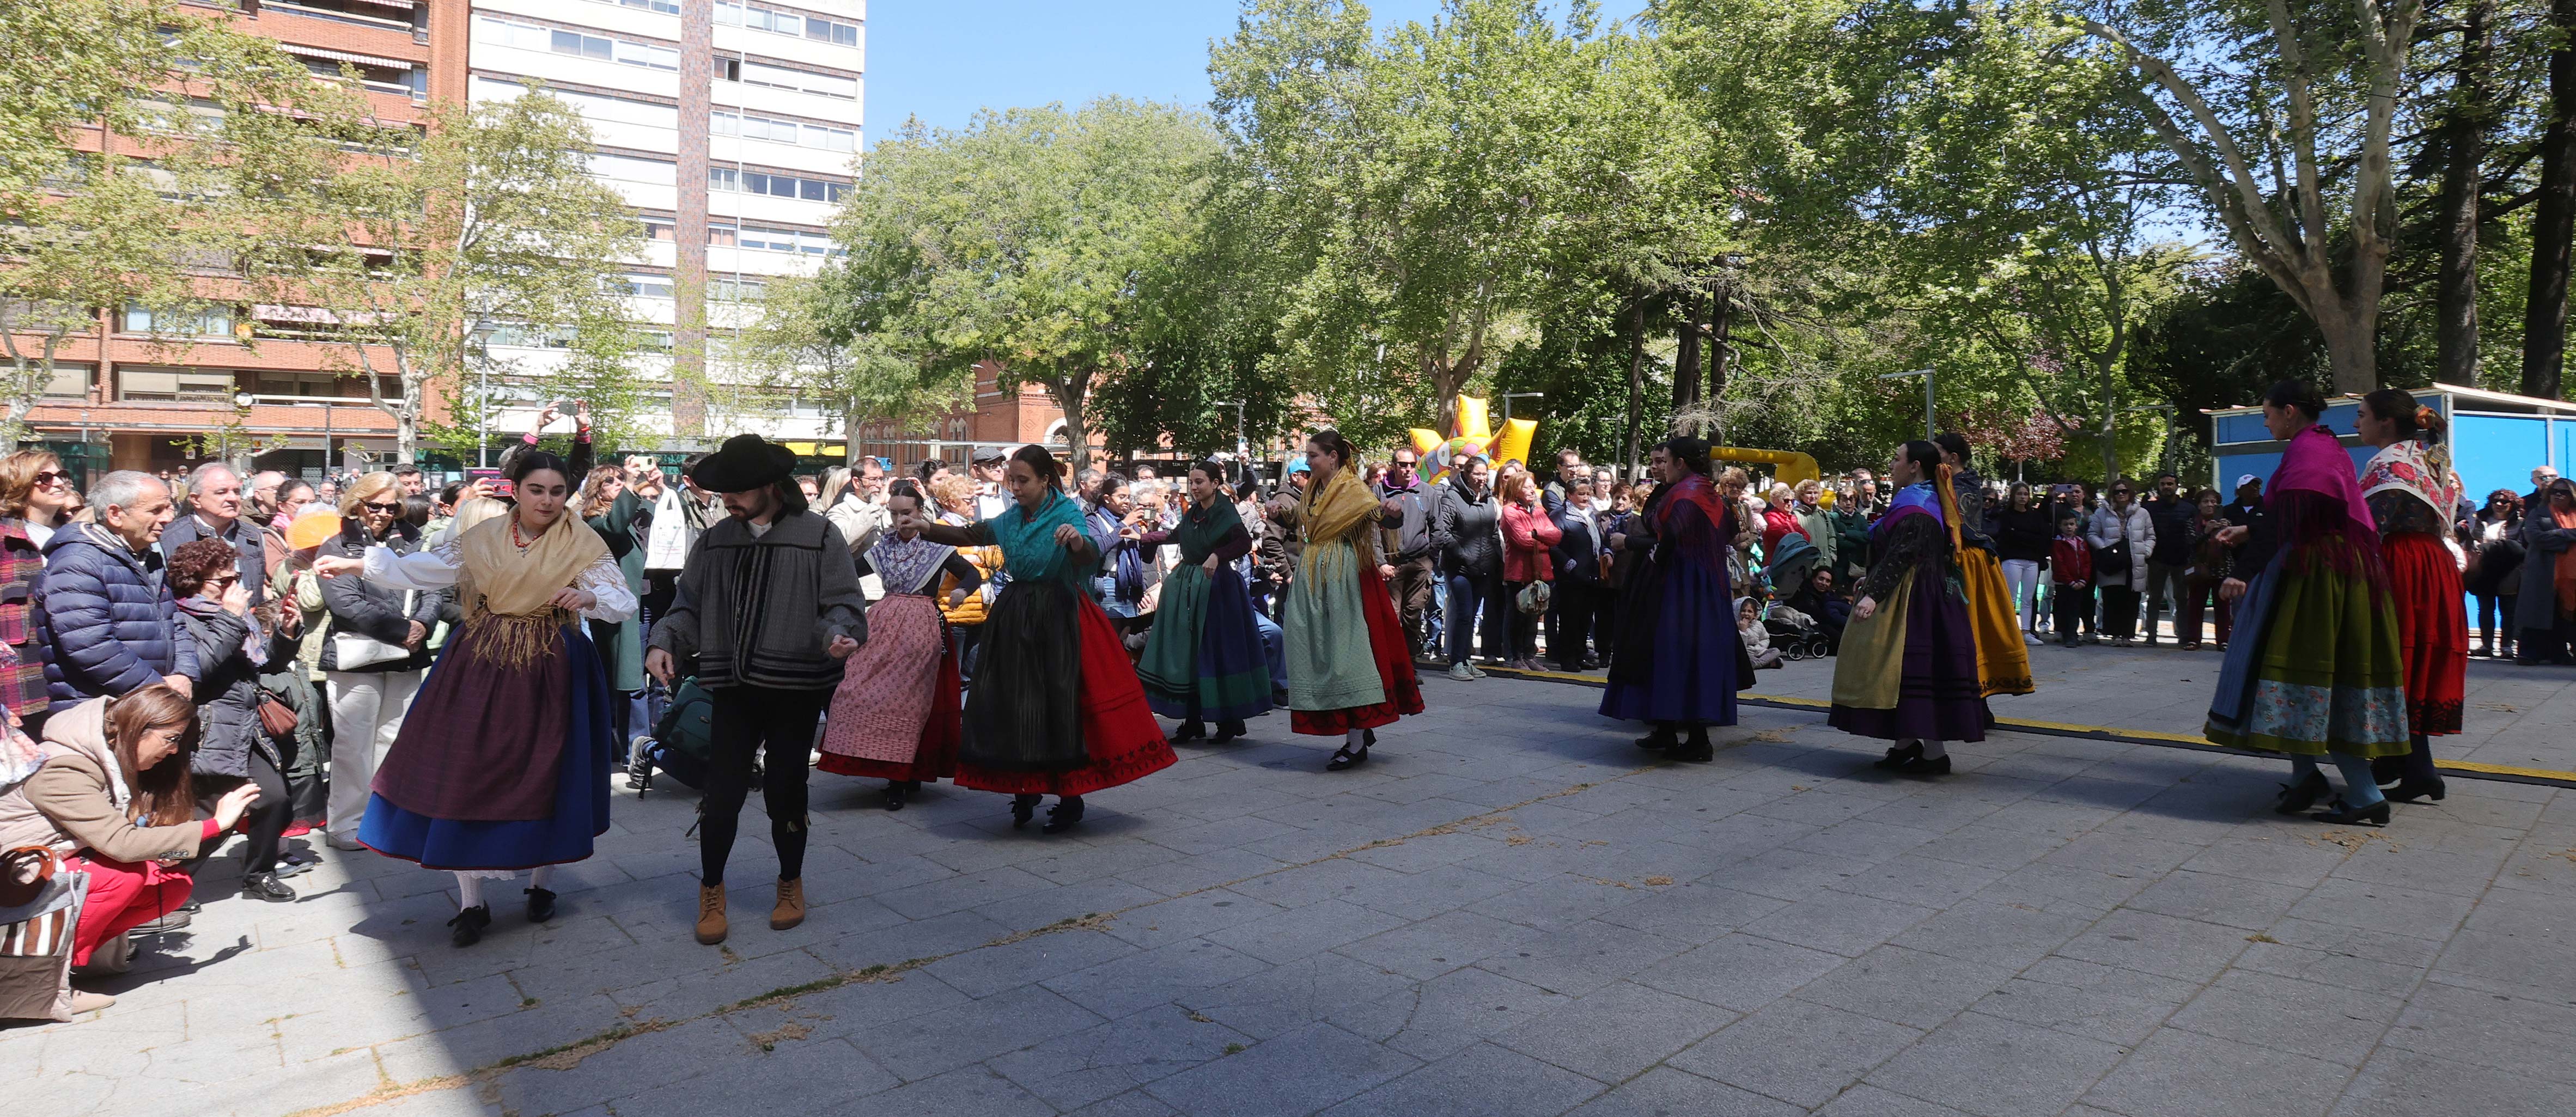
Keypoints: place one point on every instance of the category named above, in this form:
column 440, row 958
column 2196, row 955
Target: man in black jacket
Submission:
column 1466, row 529
column 1581, row 595
column 2172, row 511
column 768, row 608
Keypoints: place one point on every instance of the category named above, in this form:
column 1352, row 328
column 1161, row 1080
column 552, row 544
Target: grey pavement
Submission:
column 2517, row 717
column 1510, row 910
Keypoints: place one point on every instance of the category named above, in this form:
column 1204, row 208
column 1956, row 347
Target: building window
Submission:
column 783, row 77
column 648, row 286
column 622, row 168
column 730, row 180
column 661, row 229
column 70, row 381
column 212, row 321
column 529, row 37
column 182, row 385
column 751, row 127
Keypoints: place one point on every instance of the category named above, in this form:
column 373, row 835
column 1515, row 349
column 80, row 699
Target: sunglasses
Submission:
column 387, row 509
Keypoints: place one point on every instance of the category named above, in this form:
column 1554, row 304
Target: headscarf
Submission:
column 502, row 585
column 2316, row 462
column 2420, row 471
column 905, row 565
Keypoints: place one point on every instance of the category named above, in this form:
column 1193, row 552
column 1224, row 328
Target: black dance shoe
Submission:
column 1343, row 758
column 2375, row 814
column 1023, row 808
column 1697, row 750
column 1900, row 756
column 1192, row 730
column 2386, row 770
column 2409, row 790
column 1662, row 738
column 894, row 795
column 266, row 887
column 541, row 904
column 2296, row 798
column 467, row 927
column 1067, row 812
column 1924, row 767
column 1227, row 731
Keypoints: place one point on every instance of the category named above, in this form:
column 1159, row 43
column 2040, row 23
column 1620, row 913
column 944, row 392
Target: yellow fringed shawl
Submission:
column 507, row 592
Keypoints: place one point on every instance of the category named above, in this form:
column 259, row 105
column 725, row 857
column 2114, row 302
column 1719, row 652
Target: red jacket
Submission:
column 2070, row 561
column 1779, row 524
column 1528, row 533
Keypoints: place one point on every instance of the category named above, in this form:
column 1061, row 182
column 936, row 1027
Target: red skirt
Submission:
column 1394, row 670
column 2432, row 627
column 1121, row 741
column 934, row 758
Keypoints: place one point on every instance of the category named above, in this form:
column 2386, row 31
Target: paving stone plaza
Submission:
column 1510, row 910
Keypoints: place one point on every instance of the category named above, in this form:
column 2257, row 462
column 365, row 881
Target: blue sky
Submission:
column 943, row 59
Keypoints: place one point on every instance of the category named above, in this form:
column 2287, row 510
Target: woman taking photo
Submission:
column 234, row 746
column 112, row 796
column 1348, row 670
column 35, row 496
column 1529, row 538
column 1068, row 717
column 2412, row 492
column 1907, row 670
column 1204, row 659
column 2494, row 576
column 1115, row 527
column 1679, row 660
column 2317, row 667
column 895, row 717
column 2546, row 611
column 504, row 764
column 373, row 651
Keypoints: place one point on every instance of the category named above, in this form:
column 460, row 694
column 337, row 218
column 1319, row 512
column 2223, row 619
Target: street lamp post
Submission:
column 1508, row 397
column 1926, row 374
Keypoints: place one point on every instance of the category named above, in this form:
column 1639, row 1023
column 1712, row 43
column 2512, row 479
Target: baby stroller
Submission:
column 1796, row 634
column 1790, row 563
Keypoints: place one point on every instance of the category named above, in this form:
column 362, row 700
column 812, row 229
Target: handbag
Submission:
column 353, row 650
column 1534, row 597
column 275, row 716
column 40, row 907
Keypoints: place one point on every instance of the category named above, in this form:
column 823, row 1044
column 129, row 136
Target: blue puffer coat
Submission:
column 104, row 619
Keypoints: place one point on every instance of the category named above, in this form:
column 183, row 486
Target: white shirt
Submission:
column 438, row 568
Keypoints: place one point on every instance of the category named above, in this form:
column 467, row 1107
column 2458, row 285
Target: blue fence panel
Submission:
column 2498, row 451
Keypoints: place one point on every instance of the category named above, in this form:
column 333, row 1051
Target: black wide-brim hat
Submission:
column 745, row 462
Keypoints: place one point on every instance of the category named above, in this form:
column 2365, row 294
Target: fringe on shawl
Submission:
column 515, row 642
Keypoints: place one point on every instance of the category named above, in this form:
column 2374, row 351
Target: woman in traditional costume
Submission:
column 1204, row 660
column 1908, row 668
column 896, row 715
column 1060, row 712
column 1348, row 670
column 1679, row 661
column 503, row 763
column 2317, row 664
column 2413, row 495
column 2003, row 661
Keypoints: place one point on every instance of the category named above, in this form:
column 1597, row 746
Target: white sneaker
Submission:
column 85, row 1001
column 1478, row 672
column 1462, row 672
column 2031, row 640
column 346, row 843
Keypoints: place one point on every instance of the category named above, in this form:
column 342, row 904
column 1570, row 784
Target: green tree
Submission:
column 1034, row 239
column 488, row 224
column 188, row 215
column 807, row 339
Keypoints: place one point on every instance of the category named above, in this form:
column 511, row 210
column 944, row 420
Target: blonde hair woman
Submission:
column 35, row 497
column 375, row 652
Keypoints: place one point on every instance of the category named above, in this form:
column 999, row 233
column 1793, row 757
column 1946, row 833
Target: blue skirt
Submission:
column 580, row 802
column 1678, row 651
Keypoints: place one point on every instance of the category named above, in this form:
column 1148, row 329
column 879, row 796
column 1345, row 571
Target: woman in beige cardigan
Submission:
column 112, row 796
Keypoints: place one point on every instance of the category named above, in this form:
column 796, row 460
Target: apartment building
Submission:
column 119, row 400
column 734, row 129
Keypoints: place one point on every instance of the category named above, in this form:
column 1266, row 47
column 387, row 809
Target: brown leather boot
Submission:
column 711, row 914
column 791, row 905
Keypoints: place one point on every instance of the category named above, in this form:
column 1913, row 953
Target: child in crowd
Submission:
column 2070, row 572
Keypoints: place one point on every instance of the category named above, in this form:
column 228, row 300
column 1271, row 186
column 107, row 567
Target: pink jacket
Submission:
column 1528, row 533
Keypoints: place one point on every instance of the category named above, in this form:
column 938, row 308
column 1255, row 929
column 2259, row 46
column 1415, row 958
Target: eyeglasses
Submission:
column 388, row 509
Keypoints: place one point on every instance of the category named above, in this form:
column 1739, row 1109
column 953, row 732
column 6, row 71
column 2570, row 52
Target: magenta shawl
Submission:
column 2316, row 463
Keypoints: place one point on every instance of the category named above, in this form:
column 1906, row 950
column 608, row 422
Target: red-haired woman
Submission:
column 112, row 795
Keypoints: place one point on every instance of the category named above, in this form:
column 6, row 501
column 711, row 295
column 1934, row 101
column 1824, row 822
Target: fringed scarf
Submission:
column 2418, row 470
column 1333, row 511
column 1027, row 538
column 1203, row 527
column 2314, row 497
column 908, row 566
column 508, row 592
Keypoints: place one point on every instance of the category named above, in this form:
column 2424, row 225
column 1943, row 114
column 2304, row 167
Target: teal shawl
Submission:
column 1027, row 540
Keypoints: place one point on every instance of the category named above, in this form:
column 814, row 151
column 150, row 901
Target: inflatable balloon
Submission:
column 1475, row 435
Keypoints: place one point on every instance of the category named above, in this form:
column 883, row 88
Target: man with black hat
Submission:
column 768, row 608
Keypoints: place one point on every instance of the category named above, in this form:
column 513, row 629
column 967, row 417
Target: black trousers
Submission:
column 264, row 823
column 747, row 721
column 1574, row 614
column 2074, row 608
column 2119, row 612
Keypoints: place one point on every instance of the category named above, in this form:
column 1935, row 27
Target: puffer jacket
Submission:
column 104, row 619
column 1467, row 531
column 367, row 609
column 227, row 693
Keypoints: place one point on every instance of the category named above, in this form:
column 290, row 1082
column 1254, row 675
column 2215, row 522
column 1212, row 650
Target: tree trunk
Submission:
column 2553, row 220
column 1071, row 394
column 1686, row 355
column 850, row 440
column 2455, row 300
column 1722, row 347
column 1636, row 378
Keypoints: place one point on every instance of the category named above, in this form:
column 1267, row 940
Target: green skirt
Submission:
column 2316, row 667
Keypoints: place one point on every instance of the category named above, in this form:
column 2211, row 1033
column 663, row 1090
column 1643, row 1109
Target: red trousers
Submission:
column 123, row 896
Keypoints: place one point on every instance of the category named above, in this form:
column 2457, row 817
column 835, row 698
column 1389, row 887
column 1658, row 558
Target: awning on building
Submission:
column 346, row 56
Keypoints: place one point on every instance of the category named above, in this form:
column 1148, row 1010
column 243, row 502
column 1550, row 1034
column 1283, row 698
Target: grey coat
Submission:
column 807, row 593
column 2542, row 542
column 2105, row 529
